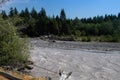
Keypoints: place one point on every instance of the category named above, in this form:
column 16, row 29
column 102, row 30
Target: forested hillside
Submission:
column 35, row 24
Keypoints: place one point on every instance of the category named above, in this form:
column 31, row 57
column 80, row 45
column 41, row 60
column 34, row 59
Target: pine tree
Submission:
column 118, row 15
column 22, row 13
column 42, row 13
column 4, row 15
column 11, row 13
column 62, row 15
column 34, row 14
column 15, row 11
column 27, row 14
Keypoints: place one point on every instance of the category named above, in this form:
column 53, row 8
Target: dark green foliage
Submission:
column 62, row 15
column 26, row 14
column 4, row 15
column 22, row 13
column 34, row 14
column 11, row 14
column 53, row 27
column 42, row 13
column 15, row 11
column 35, row 24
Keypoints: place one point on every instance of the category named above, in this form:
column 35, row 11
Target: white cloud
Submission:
column 3, row 4
column 11, row 2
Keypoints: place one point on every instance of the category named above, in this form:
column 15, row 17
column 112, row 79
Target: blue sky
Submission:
column 73, row 8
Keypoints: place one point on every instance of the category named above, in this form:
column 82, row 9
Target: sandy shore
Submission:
column 87, row 61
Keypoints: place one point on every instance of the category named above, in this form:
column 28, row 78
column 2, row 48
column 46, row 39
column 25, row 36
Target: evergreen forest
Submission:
column 37, row 23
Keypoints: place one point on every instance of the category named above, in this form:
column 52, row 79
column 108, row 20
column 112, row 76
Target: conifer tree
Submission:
column 11, row 13
column 34, row 14
column 4, row 15
column 62, row 15
column 15, row 11
column 27, row 14
column 22, row 13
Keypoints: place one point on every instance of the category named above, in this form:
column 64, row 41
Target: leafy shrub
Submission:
column 84, row 39
column 13, row 50
column 115, row 39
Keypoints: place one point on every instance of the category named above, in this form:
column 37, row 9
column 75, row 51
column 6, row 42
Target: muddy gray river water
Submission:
column 86, row 60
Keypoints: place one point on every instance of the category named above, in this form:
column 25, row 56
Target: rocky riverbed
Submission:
column 86, row 60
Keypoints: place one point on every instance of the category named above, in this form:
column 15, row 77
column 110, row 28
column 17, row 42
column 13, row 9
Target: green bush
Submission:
column 115, row 39
column 84, row 39
column 13, row 49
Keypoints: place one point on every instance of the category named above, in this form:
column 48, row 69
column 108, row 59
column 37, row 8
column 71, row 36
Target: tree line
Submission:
column 35, row 24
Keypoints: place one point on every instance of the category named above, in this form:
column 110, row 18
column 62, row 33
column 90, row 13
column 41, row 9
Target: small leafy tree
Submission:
column 13, row 49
